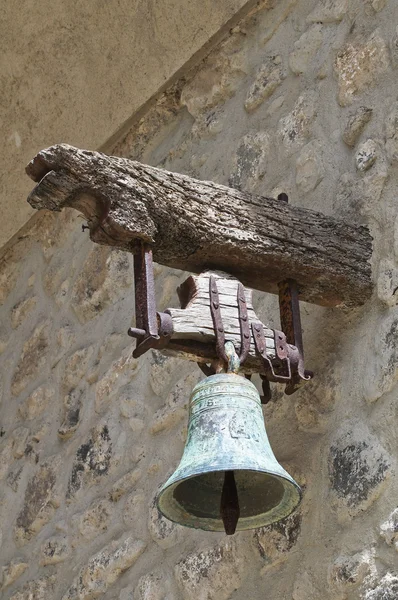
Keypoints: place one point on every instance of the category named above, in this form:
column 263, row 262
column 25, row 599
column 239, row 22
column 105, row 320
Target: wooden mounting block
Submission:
column 196, row 225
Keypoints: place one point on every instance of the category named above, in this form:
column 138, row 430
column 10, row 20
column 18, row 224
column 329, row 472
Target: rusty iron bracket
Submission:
column 217, row 320
column 288, row 366
column 289, row 308
column 218, row 326
column 244, row 325
column 153, row 329
column 281, row 351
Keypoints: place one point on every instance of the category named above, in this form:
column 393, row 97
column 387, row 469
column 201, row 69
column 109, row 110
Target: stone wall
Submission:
column 300, row 99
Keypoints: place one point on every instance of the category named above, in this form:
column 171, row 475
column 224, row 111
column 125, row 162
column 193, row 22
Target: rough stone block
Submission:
column 295, row 127
column 389, row 529
column 104, row 568
column 358, row 467
column 387, row 589
column 211, row 574
column 163, row 370
column 38, row 589
column 125, row 484
column 54, row 550
column 36, row 403
column 12, row 571
column 104, row 277
column 391, row 129
column 387, row 283
column 19, row 438
column 95, row 520
column 275, row 541
column 366, row 155
column 214, row 83
column 309, row 167
column 33, row 359
column 75, row 367
column 92, row 461
column 72, row 409
column 22, row 310
column 40, row 502
column 152, row 586
column 348, row 572
column 328, row 11
column 359, row 66
column 381, row 372
column 355, row 124
column 267, row 80
column 250, row 161
column 378, row 5
column 164, row 532
column 119, row 374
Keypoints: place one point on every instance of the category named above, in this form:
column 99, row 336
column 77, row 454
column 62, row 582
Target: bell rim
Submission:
column 244, row 523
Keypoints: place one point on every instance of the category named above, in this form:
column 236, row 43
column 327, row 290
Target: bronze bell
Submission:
column 228, row 478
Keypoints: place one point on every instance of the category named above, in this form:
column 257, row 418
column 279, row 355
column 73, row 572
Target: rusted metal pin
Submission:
column 229, row 508
column 145, row 303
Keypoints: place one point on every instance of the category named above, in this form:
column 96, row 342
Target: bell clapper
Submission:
column 229, row 507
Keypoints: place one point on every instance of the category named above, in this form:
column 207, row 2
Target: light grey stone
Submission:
column 55, row 550
column 305, row 50
column 37, row 589
column 309, row 167
column 294, row 128
column 275, row 541
column 72, row 410
column 358, row 468
column 378, row 5
column 153, row 586
column 36, row 403
column 22, row 310
column 211, row 574
column 101, row 283
column 93, row 460
column 75, row 367
column 214, row 83
column 328, row 11
column 387, row 589
column 164, row 532
column 391, row 128
column 12, row 571
column 349, row 571
column 40, row 502
column 387, row 283
column 355, row 125
column 359, row 66
column 104, row 568
column 389, row 529
column 33, row 358
column 366, row 155
column 250, row 161
column 268, row 78
column 95, row 520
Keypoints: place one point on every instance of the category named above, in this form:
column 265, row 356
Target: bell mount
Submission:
column 276, row 355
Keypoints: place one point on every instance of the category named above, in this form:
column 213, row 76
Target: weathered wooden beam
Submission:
column 194, row 225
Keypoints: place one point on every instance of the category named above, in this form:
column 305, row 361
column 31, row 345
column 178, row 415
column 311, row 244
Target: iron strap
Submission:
column 217, row 320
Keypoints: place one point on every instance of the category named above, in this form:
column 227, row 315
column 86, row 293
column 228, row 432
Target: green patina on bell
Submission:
column 228, row 477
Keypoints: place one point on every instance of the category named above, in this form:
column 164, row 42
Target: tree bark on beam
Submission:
column 193, row 225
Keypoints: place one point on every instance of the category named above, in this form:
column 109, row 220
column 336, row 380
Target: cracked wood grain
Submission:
column 195, row 225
